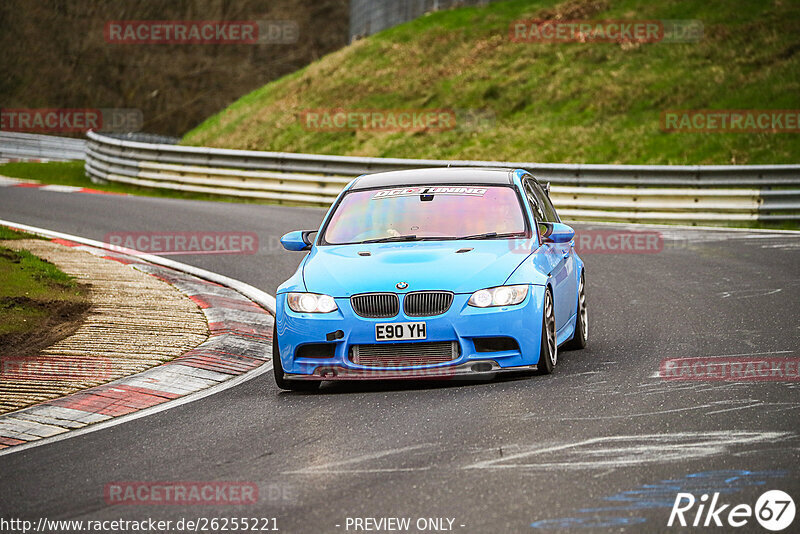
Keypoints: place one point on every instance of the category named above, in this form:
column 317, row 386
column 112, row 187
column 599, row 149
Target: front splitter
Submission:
column 479, row 369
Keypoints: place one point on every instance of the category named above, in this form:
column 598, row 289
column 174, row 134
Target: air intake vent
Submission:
column 427, row 303
column 404, row 354
column 376, row 305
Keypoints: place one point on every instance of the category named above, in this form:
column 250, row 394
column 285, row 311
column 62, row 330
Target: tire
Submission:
column 581, row 335
column 277, row 368
column 548, row 351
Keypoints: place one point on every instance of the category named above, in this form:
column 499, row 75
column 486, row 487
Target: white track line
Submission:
column 332, row 467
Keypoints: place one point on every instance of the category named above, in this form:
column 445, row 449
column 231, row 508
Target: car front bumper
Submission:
column 461, row 323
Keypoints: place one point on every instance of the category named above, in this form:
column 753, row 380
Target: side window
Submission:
column 536, row 206
column 547, row 206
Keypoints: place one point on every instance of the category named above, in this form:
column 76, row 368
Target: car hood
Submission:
column 345, row 270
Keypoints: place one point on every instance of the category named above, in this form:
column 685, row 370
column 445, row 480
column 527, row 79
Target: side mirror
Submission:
column 556, row 232
column 297, row 240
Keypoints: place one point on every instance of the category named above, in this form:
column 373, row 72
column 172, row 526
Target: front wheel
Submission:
column 548, row 352
column 277, row 368
column 581, row 335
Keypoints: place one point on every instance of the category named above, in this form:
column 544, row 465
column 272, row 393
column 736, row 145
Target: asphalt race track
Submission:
column 603, row 442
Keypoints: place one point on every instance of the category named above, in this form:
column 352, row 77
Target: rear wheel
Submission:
column 581, row 336
column 277, row 368
column 548, row 353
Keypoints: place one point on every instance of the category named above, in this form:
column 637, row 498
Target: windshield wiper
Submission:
column 391, row 239
column 491, row 235
column 487, row 235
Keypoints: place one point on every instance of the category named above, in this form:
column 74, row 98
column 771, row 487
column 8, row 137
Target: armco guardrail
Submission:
column 593, row 192
column 25, row 146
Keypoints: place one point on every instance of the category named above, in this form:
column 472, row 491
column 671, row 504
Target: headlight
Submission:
column 311, row 303
column 498, row 296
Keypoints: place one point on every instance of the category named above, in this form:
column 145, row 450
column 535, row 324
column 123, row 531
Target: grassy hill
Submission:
column 575, row 102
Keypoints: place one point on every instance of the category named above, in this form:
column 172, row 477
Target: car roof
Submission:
column 437, row 176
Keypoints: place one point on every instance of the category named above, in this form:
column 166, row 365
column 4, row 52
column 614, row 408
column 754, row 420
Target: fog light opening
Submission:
column 495, row 344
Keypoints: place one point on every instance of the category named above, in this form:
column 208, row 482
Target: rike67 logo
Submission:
column 774, row 510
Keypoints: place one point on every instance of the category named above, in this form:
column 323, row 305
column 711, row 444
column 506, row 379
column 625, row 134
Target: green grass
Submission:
column 8, row 233
column 561, row 103
column 34, row 292
column 53, row 172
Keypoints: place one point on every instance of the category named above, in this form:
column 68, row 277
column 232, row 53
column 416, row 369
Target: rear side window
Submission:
column 545, row 209
column 536, row 206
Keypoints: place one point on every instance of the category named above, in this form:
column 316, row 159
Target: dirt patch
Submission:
column 61, row 320
column 574, row 9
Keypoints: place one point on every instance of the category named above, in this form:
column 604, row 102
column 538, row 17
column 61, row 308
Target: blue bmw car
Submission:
column 431, row 273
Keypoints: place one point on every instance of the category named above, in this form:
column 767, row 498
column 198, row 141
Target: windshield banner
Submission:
column 440, row 190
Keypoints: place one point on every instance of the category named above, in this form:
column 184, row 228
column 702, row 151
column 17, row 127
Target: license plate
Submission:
column 399, row 331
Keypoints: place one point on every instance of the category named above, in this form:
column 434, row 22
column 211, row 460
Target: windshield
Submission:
column 426, row 213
